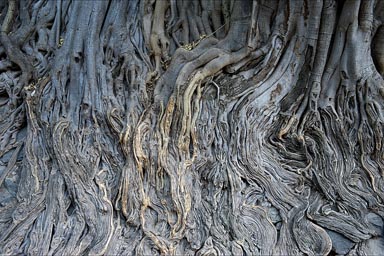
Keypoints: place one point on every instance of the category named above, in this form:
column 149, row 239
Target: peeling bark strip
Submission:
column 206, row 127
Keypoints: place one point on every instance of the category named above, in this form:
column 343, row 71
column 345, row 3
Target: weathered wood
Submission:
column 207, row 127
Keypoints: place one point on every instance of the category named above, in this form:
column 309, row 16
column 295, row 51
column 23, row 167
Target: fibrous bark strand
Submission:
column 204, row 127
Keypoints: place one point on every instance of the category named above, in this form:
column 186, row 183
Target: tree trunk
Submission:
column 207, row 127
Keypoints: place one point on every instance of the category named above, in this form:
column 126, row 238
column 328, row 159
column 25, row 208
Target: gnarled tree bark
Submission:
column 207, row 127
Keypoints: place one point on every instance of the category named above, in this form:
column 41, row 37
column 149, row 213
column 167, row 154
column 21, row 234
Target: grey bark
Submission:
column 207, row 127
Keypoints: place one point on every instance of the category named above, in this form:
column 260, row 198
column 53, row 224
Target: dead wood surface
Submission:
column 204, row 127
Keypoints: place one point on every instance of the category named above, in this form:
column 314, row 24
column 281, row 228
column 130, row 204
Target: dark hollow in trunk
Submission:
column 207, row 127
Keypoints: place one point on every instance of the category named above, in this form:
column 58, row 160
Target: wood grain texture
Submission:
column 207, row 127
